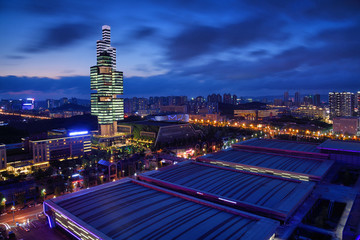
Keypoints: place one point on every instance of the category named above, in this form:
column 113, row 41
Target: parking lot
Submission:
column 36, row 227
column 39, row 229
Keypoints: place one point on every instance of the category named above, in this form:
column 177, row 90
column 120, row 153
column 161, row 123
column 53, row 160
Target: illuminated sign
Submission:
column 78, row 133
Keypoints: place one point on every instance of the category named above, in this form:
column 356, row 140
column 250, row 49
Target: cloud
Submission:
column 334, row 9
column 71, row 85
column 43, row 6
column 340, row 36
column 60, row 36
column 15, row 57
column 199, row 40
column 143, row 32
column 258, row 53
column 243, row 47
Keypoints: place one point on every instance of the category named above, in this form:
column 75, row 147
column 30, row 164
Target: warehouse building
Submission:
column 304, row 149
column 302, row 168
column 347, row 152
column 265, row 195
column 130, row 209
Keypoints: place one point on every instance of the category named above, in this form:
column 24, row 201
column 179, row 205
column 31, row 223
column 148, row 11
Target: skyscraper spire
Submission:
column 105, row 44
column 106, row 33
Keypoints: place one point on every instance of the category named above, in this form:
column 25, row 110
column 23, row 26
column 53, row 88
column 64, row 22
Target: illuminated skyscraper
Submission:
column 106, row 86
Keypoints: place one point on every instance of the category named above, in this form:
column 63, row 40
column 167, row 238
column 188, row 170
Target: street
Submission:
column 38, row 228
column 20, row 216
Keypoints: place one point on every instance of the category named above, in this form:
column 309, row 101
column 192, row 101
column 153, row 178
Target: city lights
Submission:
column 78, row 133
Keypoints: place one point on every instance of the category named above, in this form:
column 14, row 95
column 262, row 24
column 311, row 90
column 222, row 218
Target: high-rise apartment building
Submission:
column 227, row 98
column 2, row 156
column 341, row 104
column 297, row 99
column 309, row 100
column 214, row 98
column 234, row 99
column 106, row 86
column 357, row 100
column 316, row 100
column 286, row 97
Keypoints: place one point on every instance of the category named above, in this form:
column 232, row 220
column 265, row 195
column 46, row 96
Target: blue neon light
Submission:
column 78, row 133
column 47, row 216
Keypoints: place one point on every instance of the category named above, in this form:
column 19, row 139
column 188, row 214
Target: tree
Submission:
column 70, row 187
column 49, row 171
column 98, row 181
column 2, row 202
column 43, row 193
column 86, row 182
column 21, row 198
column 57, row 191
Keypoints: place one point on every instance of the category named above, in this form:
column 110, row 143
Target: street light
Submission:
column 13, row 210
column 43, row 193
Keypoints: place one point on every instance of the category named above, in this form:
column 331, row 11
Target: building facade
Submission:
column 310, row 111
column 2, row 156
column 106, row 86
column 73, row 146
column 341, row 104
column 347, row 125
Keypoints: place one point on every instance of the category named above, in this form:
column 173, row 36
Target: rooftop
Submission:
column 59, row 137
column 338, row 145
column 270, row 196
column 129, row 209
column 154, row 123
column 279, row 164
column 281, row 144
column 105, row 163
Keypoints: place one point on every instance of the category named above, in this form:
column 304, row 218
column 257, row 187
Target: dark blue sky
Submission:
column 247, row 48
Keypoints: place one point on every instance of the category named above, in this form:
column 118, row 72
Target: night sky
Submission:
column 169, row 47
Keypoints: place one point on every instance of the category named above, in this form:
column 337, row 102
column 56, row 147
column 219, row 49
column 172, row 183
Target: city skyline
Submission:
column 192, row 48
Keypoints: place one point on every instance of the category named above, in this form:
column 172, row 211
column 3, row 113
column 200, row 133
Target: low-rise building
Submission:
column 254, row 114
column 130, row 209
column 248, row 191
column 347, row 125
column 310, row 111
column 160, row 132
column 74, row 145
column 208, row 117
column 173, row 108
